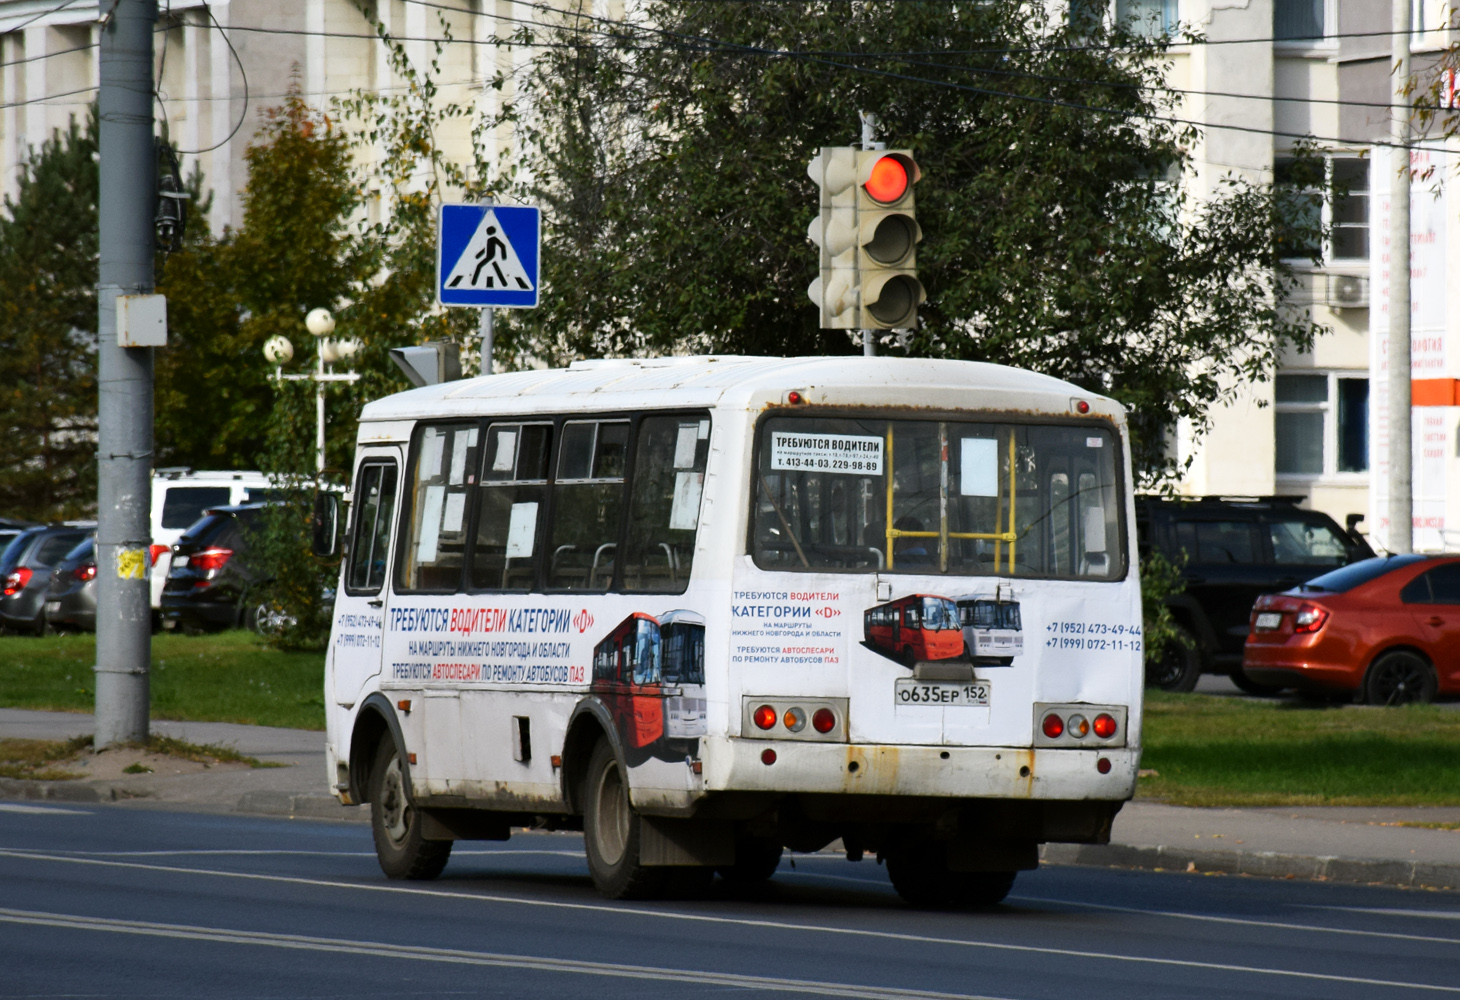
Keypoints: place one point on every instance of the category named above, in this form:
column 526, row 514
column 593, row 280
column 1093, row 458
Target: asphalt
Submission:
column 1366, row 845
column 103, row 900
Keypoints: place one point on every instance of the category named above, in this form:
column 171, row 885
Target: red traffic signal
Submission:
column 887, row 181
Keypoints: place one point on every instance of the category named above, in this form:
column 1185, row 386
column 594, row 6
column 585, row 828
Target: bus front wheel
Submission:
column 611, row 832
column 396, row 825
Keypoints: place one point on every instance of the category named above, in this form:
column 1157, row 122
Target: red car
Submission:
column 1384, row 629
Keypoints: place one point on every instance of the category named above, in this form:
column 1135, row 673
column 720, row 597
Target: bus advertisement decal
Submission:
column 787, row 628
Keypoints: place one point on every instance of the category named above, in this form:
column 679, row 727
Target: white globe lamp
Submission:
column 278, row 350
column 319, row 322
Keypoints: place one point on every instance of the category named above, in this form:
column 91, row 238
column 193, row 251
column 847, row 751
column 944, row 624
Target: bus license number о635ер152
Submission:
column 952, row 694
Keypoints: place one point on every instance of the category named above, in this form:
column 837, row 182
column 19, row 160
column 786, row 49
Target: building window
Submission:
column 1345, row 209
column 1298, row 20
column 1321, row 424
column 1143, row 17
column 1349, row 199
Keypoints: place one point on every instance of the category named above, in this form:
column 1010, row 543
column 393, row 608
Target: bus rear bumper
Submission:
column 952, row 772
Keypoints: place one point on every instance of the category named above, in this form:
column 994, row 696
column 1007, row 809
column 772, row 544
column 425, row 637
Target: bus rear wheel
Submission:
column 396, row 825
column 920, row 874
column 611, row 832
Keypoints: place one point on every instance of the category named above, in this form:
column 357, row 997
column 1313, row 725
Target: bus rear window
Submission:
column 937, row 497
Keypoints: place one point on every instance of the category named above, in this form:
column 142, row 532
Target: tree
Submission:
column 48, row 315
column 1061, row 229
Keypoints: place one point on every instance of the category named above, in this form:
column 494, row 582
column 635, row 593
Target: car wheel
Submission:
column 1252, row 687
column 611, row 832
column 1400, row 678
column 396, row 825
column 1178, row 666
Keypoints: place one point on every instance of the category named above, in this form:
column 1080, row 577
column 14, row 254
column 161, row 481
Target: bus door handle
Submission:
column 376, row 602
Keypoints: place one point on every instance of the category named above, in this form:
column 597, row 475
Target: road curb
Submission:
column 1265, row 864
column 297, row 806
column 59, row 791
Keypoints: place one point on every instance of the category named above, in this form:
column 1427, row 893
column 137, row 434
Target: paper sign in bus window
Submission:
column 684, row 446
column 845, row 454
column 506, row 451
column 521, row 530
column 430, row 523
column 454, row 513
column 464, row 440
column 979, row 471
column 684, row 512
column 1094, row 530
column 431, row 454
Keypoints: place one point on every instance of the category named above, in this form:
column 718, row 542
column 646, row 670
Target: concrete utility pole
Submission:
column 1401, row 476
column 124, row 450
column 869, row 134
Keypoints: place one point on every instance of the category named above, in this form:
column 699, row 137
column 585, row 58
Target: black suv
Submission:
column 211, row 581
column 1232, row 551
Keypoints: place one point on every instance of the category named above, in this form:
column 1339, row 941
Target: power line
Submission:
column 45, row 13
column 49, row 55
column 243, row 111
column 48, row 97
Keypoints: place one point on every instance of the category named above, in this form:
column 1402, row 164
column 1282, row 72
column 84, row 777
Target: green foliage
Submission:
column 670, row 155
column 48, row 268
column 1160, row 580
column 225, row 677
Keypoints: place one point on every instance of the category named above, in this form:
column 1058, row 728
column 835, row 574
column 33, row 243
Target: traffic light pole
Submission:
column 126, row 243
column 869, row 132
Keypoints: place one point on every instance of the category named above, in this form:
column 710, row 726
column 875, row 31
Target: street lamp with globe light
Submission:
column 279, row 352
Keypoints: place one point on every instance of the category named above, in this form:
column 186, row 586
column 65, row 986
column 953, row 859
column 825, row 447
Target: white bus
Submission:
column 704, row 610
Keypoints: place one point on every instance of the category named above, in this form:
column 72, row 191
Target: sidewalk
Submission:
column 1338, row 843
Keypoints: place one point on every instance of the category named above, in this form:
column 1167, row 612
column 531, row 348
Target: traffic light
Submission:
column 834, row 169
column 887, row 239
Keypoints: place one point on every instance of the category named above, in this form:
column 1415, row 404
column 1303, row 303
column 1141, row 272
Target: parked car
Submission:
column 25, row 568
column 1386, row 630
column 211, row 585
column 71, row 595
column 1231, row 551
column 179, row 498
column 10, row 528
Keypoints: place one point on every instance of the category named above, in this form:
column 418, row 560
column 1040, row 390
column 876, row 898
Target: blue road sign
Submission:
column 487, row 255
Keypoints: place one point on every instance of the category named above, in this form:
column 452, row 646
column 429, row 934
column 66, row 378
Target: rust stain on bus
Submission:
column 1024, row 762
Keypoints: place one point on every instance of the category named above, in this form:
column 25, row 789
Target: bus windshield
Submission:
column 929, row 496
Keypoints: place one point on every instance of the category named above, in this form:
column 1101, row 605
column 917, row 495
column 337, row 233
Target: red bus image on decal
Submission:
column 915, row 627
column 650, row 673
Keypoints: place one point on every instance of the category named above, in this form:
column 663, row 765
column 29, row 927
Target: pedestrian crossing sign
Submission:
column 487, row 255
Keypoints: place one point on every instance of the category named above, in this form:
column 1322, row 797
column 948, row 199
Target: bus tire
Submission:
column 611, row 832
column 756, row 860
column 919, row 872
column 396, row 825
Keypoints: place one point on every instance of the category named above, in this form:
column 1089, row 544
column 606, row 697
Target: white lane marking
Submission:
column 703, row 918
column 1243, row 921
column 18, row 807
column 216, row 852
column 337, row 946
column 1377, row 911
column 867, row 882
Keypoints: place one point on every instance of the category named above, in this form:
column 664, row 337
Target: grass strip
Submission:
column 1207, row 750
column 45, row 760
column 223, row 677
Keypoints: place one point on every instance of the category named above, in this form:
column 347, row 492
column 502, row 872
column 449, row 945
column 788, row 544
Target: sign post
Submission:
column 487, row 257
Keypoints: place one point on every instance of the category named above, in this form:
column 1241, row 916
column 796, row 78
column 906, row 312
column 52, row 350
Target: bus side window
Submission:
column 374, row 514
column 511, row 498
column 664, row 509
column 444, row 465
column 588, row 502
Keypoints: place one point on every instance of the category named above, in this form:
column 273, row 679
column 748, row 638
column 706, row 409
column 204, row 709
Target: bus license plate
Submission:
column 950, row 694
column 1269, row 621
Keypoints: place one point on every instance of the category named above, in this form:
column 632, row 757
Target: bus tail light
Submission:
column 1310, row 618
column 1076, row 725
column 765, row 717
column 767, row 756
column 823, row 720
column 794, row 720
column 1103, row 765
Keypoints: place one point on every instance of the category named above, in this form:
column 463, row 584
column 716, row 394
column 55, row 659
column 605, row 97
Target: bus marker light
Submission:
column 795, row 720
column 1103, row 765
column 697, row 766
column 556, row 761
column 824, row 720
column 1053, row 726
column 404, row 704
column 765, row 717
column 767, row 756
column 410, row 758
column 1078, row 727
column 1082, row 406
column 1105, row 725
column 795, row 398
